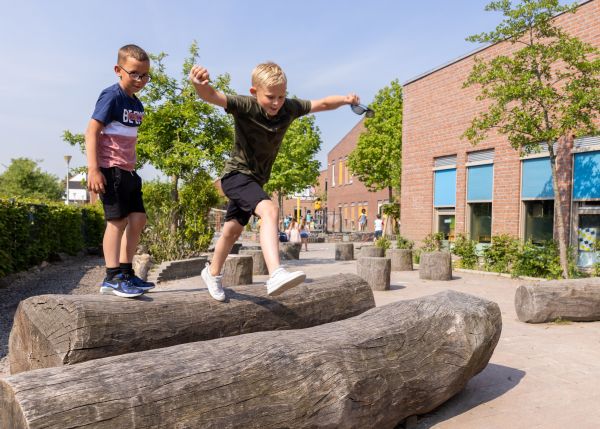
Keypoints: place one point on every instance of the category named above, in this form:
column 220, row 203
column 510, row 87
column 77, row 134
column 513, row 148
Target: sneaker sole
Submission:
column 104, row 290
column 291, row 283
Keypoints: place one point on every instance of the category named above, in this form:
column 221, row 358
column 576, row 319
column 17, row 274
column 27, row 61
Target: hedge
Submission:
column 33, row 232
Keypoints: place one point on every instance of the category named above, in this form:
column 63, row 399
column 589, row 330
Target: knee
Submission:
column 271, row 213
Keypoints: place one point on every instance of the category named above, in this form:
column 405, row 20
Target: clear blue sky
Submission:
column 58, row 55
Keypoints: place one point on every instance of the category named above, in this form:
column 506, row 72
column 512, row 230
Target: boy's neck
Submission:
column 125, row 91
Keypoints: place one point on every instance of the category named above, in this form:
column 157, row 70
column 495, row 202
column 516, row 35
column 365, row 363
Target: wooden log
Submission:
column 372, row 252
column 141, row 264
column 376, row 271
column 435, row 266
column 344, row 251
column 577, row 300
column 401, row 259
column 237, row 270
column 54, row 330
column 259, row 267
column 290, row 251
column 371, row 371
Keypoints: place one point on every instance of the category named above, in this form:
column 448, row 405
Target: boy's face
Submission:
column 270, row 98
column 133, row 74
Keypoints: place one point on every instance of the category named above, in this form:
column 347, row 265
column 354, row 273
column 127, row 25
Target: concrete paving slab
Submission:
column 540, row 376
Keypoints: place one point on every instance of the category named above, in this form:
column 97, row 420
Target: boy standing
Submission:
column 110, row 141
column 261, row 121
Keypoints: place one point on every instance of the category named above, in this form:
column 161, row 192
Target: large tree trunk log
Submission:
column 376, row 271
column 344, row 251
column 372, row 252
column 576, row 300
column 259, row 266
column 54, row 330
column 370, row 371
column 401, row 259
column 435, row 266
column 237, row 270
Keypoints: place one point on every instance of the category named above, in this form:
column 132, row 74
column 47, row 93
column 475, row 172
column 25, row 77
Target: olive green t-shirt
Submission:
column 257, row 136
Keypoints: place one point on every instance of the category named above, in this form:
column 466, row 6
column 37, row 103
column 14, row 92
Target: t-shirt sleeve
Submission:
column 104, row 107
column 238, row 104
column 298, row 107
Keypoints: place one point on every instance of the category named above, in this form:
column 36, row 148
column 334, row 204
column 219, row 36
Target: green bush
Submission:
column 383, row 243
column 538, row 261
column 466, row 249
column 433, row 242
column 192, row 233
column 501, row 254
column 404, row 243
column 33, row 231
column 596, row 269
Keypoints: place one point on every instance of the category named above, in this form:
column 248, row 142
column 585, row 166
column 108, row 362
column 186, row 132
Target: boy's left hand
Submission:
column 352, row 98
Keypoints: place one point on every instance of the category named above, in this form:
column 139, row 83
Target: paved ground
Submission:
column 540, row 376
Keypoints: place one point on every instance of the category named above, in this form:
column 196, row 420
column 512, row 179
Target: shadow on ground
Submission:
column 492, row 382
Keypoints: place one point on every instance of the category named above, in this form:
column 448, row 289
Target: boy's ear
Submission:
column 118, row 70
column 253, row 91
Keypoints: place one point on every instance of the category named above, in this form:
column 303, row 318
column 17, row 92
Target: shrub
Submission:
column 383, row 242
column 538, row 261
column 466, row 249
column 433, row 242
column 501, row 254
column 403, row 243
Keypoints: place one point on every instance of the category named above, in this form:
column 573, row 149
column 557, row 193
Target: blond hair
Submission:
column 267, row 75
column 133, row 51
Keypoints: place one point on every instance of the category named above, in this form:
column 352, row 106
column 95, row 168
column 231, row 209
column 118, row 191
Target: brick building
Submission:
column 346, row 196
column 450, row 186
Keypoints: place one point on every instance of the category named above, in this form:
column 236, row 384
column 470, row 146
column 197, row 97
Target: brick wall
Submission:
column 437, row 110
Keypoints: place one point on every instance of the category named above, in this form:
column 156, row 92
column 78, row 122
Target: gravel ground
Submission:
column 74, row 275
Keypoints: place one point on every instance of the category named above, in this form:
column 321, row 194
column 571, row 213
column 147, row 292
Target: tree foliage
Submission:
column 23, row 178
column 548, row 88
column 377, row 159
column 295, row 167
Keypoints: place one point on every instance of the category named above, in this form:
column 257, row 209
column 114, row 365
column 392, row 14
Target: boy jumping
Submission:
column 261, row 121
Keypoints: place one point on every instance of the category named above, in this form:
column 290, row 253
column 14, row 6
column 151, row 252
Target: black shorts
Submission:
column 244, row 194
column 122, row 193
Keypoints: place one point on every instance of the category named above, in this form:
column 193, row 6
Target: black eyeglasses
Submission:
column 359, row 109
column 137, row 76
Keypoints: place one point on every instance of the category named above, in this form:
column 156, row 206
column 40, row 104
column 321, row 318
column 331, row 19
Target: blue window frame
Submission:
column 444, row 194
column 536, row 179
column 480, row 183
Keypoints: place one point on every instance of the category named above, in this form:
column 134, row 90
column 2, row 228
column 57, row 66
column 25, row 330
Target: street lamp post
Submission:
column 68, row 159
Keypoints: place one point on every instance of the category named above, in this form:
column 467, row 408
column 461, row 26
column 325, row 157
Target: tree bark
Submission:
column 290, row 251
column 560, row 217
column 401, row 259
column 259, row 266
column 376, row 271
column 370, row 371
column 372, row 251
column 237, row 270
column 435, row 266
column 54, row 330
column 576, row 300
column 344, row 251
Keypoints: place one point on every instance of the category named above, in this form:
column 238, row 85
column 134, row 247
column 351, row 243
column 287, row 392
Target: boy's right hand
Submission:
column 199, row 75
column 96, row 181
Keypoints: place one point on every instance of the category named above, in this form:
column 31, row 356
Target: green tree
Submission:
column 23, row 178
column 377, row 159
column 546, row 91
column 295, row 167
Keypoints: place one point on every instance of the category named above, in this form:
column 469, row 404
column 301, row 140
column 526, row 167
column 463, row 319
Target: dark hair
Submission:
column 133, row 51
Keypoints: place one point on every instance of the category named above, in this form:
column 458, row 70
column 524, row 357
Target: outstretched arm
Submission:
column 95, row 179
column 333, row 102
column 201, row 80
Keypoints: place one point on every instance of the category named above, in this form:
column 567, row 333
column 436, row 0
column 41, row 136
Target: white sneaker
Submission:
column 282, row 280
column 213, row 283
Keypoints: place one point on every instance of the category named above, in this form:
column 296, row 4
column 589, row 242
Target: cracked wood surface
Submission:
column 54, row 330
column 370, row 371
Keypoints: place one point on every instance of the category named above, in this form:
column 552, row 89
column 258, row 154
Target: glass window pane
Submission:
column 446, row 225
column 481, row 222
column 588, row 236
column 539, row 220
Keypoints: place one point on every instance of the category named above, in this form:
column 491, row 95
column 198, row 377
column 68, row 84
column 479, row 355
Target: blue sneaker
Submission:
column 120, row 286
column 139, row 283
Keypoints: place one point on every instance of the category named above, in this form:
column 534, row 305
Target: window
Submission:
column 586, row 176
column 481, row 222
column 333, row 174
column 444, row 193
column 539, row 220
column 341, row 172
column 445, row 223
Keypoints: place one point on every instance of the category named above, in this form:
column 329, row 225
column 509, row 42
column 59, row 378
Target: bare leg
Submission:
column 131, row 238
column 111, row 242
column 269, row 241
column 231, row 232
